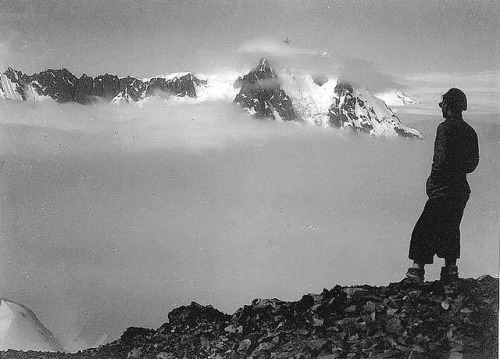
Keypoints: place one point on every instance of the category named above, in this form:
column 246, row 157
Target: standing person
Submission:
column 437, row 231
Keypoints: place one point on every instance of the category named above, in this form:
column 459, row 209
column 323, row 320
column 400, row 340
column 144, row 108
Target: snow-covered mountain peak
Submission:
column 20, row 329
column 263, row 66
column 262, row 95
column 280, row 93
column 406, row 100
column 358, row 108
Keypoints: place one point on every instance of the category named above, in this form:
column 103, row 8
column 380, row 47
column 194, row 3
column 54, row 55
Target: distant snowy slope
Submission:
column 396, row 98
column 20, row 329
column 359, row 109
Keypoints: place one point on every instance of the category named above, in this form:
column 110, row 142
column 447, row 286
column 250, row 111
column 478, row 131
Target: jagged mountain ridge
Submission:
column 265, row 92
column 63, row 86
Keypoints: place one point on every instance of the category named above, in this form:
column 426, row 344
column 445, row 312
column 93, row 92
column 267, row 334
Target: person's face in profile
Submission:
column 445, row 108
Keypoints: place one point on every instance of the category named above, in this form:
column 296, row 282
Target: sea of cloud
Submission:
column 111, row 216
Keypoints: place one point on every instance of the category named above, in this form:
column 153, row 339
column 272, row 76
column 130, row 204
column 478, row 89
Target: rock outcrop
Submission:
column 397, row 321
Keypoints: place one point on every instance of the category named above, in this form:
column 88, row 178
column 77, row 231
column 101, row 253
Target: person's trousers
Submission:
column 437, row 231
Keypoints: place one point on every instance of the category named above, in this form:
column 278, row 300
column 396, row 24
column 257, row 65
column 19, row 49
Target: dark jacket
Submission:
column 456, row 153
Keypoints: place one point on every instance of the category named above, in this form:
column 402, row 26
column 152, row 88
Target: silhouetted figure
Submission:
column 456, row 153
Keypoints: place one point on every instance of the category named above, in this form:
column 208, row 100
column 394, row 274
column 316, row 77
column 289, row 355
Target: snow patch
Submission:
column 10, row 89
column 310, row 100
column 20, row 329
column 32, row 94
column 395, row 98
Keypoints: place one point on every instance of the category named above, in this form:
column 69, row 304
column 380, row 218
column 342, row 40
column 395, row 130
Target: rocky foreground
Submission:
column 434, row 320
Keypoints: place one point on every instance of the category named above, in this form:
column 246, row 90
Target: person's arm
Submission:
column 441, row 145
column 472, row 158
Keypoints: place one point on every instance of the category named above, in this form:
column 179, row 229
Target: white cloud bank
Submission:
column 156, row 124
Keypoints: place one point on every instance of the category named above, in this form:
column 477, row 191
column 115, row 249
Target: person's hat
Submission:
column 456, row 99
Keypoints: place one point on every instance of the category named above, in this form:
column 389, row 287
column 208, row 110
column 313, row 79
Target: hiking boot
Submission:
column 415, row 276
column 449, row 274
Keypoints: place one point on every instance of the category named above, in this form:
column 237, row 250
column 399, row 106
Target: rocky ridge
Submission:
column 398, row 321
column 63, row 86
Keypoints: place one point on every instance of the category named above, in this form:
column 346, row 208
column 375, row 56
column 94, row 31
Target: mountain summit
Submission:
column 281, row 94
column 262, row 95
column 20, row 329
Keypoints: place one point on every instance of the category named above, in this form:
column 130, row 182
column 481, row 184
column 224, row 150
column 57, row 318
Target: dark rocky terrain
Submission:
column 401, row 320
column 262, row 94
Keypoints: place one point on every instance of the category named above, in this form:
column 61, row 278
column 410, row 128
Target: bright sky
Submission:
column 145, row 38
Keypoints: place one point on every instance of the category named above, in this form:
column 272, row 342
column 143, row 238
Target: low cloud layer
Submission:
column 156, row 124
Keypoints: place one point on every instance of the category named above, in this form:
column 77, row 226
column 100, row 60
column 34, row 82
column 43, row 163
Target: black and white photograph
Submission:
column 287, row 179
